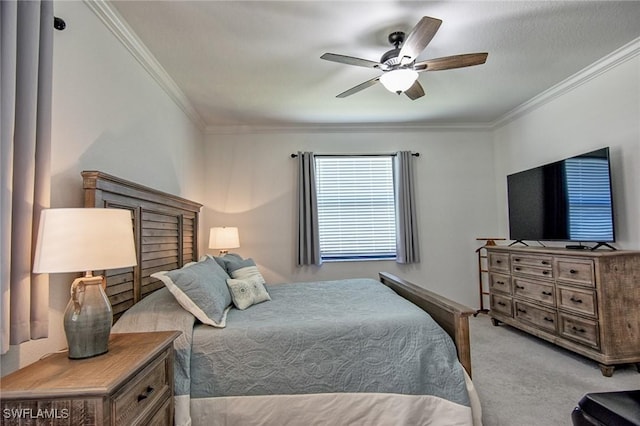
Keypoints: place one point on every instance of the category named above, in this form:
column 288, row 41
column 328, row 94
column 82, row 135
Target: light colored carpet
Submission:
column 523, row 380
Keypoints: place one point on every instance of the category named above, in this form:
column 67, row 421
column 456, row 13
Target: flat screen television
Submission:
column 568, row 200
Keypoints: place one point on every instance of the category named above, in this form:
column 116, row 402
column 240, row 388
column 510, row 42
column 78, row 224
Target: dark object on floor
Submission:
column 608, row 409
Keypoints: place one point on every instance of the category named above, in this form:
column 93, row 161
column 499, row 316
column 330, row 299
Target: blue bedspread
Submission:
column 346, row 336
column 351, row 335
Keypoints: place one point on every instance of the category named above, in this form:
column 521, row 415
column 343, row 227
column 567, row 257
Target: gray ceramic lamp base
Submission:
column 87, row 319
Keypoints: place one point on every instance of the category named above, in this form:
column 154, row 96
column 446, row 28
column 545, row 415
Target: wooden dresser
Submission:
column 132, row 384
column 585, row 301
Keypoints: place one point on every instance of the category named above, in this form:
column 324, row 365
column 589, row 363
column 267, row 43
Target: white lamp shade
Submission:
column 224, row 237
column 91, row 239
column 397, row 81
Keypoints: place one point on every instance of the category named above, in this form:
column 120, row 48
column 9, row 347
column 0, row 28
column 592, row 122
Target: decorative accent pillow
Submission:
column 242, row 268
column 200, row 288
column 247, row 292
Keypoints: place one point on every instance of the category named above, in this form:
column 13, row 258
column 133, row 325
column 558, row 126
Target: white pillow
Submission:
column 247, row 292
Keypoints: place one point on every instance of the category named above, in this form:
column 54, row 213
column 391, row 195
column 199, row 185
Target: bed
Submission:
column 356, row 351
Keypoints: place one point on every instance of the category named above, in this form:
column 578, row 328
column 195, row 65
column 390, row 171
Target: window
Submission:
column 356, row 208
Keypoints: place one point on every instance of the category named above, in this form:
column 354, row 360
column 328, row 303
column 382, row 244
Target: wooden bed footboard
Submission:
column 453, row 317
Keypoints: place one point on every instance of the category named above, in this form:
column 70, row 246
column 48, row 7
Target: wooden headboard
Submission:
column 165, row 228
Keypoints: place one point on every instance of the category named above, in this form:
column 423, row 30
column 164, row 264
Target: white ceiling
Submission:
column 257, row 63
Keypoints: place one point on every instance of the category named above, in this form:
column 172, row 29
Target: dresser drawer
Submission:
column 532, row 260
column 540, row 291
column 580, row 330
column 545, row 319
column 501, row 304
column 576, row 271
column 533, row 271
column 500, row 283
column 498, row 262
column 163, row 417
column 145, row 390
column 577, row 300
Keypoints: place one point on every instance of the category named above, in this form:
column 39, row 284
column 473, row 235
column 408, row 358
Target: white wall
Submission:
column 604, row 111
column 251, row 183
column 108, row 115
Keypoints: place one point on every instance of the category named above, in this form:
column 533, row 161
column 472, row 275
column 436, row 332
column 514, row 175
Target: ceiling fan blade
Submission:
column 451, row 62
column 418, row 39
column 415, row 91
column 358, row 88
column 350, row 60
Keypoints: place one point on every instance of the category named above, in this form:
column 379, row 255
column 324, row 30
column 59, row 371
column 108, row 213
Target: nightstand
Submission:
column 129, row 385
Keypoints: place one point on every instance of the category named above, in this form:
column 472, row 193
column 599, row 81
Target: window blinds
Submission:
column 356, row 209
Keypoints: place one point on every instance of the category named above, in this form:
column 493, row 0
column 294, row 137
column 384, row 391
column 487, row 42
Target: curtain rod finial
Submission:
column 59, row 24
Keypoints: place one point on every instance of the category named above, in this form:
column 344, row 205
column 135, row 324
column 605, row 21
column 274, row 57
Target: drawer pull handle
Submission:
column 517, row 259
column 522, row 311
column 502, row 304
column 574, row 300
column 579, row 330
column 517, row 269
column 573, row 271
column 519, row 287
column 545, row 272
column 498, row 261
column 544, row 262
column 144, row 395
column 548, row 319
column 547, row 293
column 500, row 282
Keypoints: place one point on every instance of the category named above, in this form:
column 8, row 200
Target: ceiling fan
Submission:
column 398, row 65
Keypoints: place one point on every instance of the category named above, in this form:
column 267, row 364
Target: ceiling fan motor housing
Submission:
column 391, row 58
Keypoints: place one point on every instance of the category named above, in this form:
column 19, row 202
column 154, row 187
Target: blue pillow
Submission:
column 243, row 269
column 239, row 268
column 222, row 260
column 200, row 288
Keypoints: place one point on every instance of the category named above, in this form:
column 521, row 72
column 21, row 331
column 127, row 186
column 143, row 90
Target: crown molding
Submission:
column 118, row 26
column 617, row 57
column 344, row 128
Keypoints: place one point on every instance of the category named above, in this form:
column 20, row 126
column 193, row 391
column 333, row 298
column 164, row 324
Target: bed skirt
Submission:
column 335, row 409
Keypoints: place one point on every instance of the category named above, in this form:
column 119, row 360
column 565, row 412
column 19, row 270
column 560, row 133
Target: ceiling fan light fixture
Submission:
column 398, row 81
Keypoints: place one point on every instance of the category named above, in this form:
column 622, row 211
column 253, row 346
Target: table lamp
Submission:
column 224, row 238
column 85, row 239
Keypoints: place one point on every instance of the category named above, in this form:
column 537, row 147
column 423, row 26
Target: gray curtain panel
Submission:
column 308, row 252
column 407, row 245
column 25, row 93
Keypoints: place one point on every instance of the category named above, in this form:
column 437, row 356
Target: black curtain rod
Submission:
column 415, row 154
